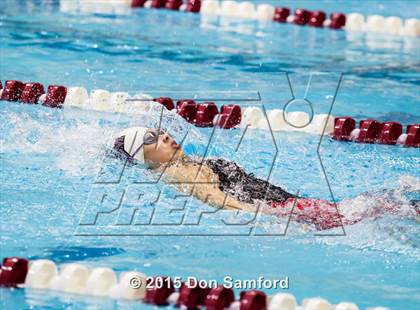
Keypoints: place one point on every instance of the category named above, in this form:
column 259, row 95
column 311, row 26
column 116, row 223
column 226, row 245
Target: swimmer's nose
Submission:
column 175, row 145
column 168, row 139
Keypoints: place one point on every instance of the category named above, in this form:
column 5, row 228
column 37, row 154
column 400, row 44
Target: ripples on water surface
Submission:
column 50, row 158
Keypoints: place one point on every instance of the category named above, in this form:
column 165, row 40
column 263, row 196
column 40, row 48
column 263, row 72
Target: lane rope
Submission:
column 352, row 22
column 208, row 114
column 76, row 278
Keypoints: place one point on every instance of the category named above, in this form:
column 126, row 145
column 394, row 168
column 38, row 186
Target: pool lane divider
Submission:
column 74, row 278
column 34, row 93
column 351, row 22
column 207, row 114
column 373, row 131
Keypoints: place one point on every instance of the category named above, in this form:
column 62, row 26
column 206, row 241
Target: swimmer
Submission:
column 224, row 184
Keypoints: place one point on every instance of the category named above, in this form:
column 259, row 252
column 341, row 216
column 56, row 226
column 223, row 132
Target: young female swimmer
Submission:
column 224, row 184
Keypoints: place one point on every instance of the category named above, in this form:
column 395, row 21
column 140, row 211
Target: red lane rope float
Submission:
column 192, row 297
column 413, row 135
column 158, row 295
column 31, row 92
column 230, row 116
column 187, row 109
column 373, row 131
column 138, row 3
column 157, row 4
column 12, row 90
column 390, row 133
column 281, row 14
column 173, row 4
column 301, row 17
column 204, row 114
column 343, row 127
column 193, row 6
column 253, row 300
column 166, row 101
column 13, row 271
column 370, row 130
column 338, row 20
column 219, row 298
column 317, row 19
column 55, row 96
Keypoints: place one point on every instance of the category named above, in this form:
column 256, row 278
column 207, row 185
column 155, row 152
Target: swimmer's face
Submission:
column 163, row 150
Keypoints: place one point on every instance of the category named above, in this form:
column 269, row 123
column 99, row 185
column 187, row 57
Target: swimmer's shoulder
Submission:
column 189, row 169
column 178, row 167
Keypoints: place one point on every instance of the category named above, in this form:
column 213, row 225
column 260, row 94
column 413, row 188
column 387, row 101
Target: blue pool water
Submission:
column 53, row 160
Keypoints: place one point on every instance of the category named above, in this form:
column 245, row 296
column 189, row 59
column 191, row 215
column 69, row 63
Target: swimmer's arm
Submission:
column 204, row 185
column 215, row 197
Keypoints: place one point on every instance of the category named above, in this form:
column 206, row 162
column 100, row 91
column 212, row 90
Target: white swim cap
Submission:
column 133, row 142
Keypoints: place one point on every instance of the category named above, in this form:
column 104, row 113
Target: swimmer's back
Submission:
column 244, row 186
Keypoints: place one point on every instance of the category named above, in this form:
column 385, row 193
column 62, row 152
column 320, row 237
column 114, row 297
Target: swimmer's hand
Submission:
column 221, row 200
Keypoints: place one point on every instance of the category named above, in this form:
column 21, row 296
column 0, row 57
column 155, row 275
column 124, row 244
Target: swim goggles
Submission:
column 152, row 136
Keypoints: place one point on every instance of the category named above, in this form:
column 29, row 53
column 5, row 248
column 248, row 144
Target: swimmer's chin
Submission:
column 179, row 154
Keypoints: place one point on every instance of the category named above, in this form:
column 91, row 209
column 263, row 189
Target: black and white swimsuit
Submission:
column 244, row 186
